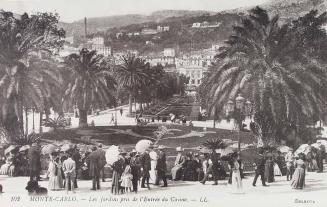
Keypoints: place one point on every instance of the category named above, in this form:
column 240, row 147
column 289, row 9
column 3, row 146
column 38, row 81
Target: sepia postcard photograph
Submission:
column 163, row 103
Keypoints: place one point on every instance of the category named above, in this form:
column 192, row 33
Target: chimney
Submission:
column 85, row 25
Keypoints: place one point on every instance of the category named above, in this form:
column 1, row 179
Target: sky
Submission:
column 72, row 10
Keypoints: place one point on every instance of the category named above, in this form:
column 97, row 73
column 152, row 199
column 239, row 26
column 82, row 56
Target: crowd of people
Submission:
column 132, row 169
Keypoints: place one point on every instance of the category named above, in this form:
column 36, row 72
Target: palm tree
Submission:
column 21, row 85
column 131, row 75
column 265, row 61
column 27, row 88
column 92, row 83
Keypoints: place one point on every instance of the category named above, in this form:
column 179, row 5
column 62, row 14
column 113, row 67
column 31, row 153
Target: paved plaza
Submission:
column 179, row 193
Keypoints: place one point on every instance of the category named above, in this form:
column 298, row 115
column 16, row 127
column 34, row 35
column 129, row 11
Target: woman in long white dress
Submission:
column 236, row 185
column 153, row 171
column 277, row 171
column 54, row 173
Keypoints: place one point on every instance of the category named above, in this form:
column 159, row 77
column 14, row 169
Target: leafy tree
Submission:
column 20, row 39
column 267, row 63
column 92, row 83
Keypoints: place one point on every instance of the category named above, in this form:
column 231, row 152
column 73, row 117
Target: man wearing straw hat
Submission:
column 179, row 162
column 161, row 166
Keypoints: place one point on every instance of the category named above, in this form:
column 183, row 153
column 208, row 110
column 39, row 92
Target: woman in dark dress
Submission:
column 269, row 169
column 190, row 166
column 118, row 169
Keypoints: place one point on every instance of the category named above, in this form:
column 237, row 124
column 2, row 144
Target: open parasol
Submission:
column 10, row 148
column 142, row 145
column 24, row 148
column 112, row 154
column 48, row 149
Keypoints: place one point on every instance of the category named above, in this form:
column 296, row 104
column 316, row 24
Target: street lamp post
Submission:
column 238, row 112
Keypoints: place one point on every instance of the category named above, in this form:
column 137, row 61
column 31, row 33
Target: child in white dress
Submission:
column 126, row 179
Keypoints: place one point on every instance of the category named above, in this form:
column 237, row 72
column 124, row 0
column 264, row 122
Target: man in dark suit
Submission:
column 320, row 158
column 260, row 169
column 77, row 158
column 34, row 162
column 161, row 166
column 103, row 161
column 95, row 167
column 135, row 169
column 146, row 167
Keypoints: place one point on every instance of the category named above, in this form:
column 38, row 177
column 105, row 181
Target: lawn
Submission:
column 174, row 135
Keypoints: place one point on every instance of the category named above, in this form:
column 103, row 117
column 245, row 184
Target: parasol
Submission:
column 143, row 145
column 153, row 155
column 24, row 148
column 315, row 145
column 112, row 154
column 48, row 149
column 66, row 147
column 283, row 149
column 10, row 148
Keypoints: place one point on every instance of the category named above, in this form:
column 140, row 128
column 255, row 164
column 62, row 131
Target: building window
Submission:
column 193, row 82
column 199, row 81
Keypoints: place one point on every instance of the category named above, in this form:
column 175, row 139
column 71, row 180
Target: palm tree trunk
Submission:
column 130, row 100
column 26, row 122
column 33, row 120
column 41, row 116
column 82, row 118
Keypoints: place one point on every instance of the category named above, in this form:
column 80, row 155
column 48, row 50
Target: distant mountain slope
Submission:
column 103, row 23
column 288, row 9
column 291, row 9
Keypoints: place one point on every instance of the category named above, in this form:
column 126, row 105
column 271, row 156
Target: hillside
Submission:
column 289, row 9
column 181, row 34
column 103, row 23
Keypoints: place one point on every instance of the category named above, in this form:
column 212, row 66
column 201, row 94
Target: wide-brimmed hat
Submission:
column 179, row 149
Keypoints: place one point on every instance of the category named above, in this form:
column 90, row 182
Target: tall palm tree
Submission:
column 25, row 88
column 262, row 61
column 20, row 84
column 131, row 75
column 92, row 84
